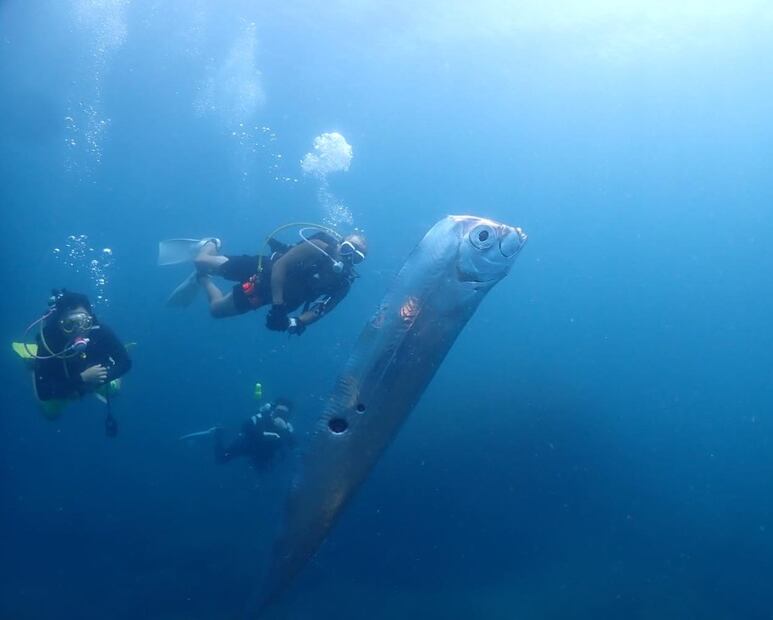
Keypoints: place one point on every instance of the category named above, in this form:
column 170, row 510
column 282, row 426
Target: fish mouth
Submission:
column 476, row 278
column 513, row 242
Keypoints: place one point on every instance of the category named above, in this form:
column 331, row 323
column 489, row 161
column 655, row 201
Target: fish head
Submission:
column 487, row 249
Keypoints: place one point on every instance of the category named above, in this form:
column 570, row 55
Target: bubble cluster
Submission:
column 96, row 126
column 232, row 93
column 332, row 153
column 104, row 23
column 233, row 90
column 85, row 146
column 259, row 142
column 336, row 212
column 78, row 255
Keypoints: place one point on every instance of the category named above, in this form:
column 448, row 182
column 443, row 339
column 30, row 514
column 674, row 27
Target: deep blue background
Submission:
column 598, row 442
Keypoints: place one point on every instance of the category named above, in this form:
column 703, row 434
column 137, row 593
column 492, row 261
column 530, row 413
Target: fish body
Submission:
column 434, row 295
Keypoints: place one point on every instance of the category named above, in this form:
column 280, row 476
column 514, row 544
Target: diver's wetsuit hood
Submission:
column 64, row 301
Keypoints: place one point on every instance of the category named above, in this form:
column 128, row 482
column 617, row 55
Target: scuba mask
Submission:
column 348, row 250
column 76, row 322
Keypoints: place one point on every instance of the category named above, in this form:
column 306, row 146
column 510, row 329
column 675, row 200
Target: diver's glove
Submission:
column 277, row 319
column 296, row 326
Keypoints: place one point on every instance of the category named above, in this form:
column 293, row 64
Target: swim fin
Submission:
column 27, row 352
column 197, row 434
column 176, row 251
column 185, row 292
column 24, row 350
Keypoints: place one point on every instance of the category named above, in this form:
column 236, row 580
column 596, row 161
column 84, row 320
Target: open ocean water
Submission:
column 598, row 443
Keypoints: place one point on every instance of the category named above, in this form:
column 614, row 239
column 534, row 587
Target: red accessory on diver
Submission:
column 249, row 291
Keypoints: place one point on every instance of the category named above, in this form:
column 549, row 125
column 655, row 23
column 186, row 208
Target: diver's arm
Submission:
column 290, row 441
column 322, row 307
column 297, row 255
column 116, row 350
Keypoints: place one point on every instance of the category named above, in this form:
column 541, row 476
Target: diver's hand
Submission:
column 295, row 326
column 94, row 375
column 277, row 320
column 280, row 424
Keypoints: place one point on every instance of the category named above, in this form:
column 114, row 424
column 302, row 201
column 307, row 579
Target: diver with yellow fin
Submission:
column 74, row 355
column 314, row 274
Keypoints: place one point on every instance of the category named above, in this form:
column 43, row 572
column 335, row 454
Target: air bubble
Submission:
column 77, row 255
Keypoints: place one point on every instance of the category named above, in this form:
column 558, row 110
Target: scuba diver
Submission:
column 261, row 439
column 315, row 274
column 75, row 354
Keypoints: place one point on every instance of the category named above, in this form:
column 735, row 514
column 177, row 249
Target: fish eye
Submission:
column 482, row 236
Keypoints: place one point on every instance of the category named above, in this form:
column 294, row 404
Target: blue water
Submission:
column 599, row 442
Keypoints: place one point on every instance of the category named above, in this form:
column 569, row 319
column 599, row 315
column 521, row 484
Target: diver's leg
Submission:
column 222, row 455
column 220, row 306
column 208, row 260
column 237, row 448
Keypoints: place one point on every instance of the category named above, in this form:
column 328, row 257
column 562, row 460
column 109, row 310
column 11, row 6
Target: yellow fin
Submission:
column 26, row 352
column 51, row 409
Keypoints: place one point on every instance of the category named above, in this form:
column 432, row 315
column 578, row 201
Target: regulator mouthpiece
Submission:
column 79, row 344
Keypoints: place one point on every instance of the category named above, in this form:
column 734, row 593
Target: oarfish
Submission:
column 435, row 293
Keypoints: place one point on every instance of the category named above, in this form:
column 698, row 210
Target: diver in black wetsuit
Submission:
column 76, row 354
column 263, row 436
column 315, row 274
